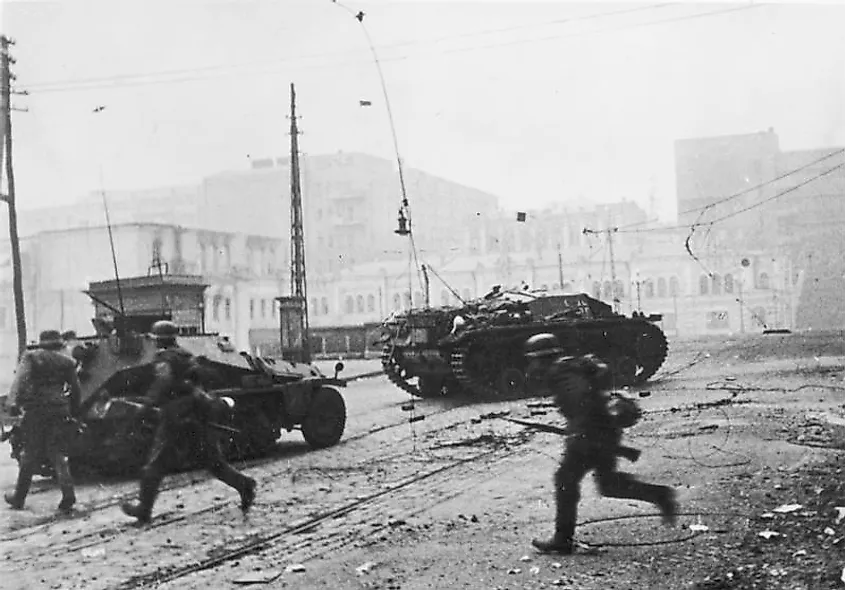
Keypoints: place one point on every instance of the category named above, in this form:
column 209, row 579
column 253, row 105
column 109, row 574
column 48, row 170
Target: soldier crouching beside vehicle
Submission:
column 187, row 415
column 48, row 415
column 595, row 420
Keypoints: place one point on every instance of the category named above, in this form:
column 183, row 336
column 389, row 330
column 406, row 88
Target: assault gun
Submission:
column 629, row 453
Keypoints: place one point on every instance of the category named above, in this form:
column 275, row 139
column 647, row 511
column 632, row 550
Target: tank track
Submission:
column 394, row 372
column 652, row 348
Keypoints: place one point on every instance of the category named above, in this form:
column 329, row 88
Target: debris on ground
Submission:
column 365, row 568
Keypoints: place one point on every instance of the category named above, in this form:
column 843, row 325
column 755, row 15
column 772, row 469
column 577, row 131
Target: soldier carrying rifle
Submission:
column 595, row 420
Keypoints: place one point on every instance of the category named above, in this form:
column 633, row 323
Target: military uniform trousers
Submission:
column 595, row 451
column 45, row 434
column 184, row 428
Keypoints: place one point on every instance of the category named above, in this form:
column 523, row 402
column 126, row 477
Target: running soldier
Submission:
column 595, row 420
column 186, row 416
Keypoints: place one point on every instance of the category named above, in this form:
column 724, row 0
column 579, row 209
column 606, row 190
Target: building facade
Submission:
column 749, row 194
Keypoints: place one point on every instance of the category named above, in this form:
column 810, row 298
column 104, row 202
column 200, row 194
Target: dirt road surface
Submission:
column 751, row 431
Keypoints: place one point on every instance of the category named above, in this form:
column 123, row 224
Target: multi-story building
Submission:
column 750, row 195
column 245, row 274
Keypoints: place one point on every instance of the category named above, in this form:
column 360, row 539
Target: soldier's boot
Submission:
column 65, row 484
column 561, row 542
column 668, row 505
column 16, row 500
column 245, row 485
column 248, row 495
column 142, row 510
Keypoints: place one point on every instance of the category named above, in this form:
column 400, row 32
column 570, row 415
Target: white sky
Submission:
column 534, row 102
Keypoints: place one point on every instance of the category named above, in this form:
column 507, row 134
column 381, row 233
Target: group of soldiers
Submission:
column 47, row 391
column 581, row 387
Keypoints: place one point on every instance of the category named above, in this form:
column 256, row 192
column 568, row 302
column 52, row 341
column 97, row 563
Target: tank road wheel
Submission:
column 430, row 386
column 511, row 383
column 323, row 425
column 651, row 351
column 395, row 373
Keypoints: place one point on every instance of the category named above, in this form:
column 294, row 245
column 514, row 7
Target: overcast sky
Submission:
column 534, row 102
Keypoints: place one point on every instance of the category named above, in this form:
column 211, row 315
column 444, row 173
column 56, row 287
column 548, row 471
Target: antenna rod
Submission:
column 111, row 242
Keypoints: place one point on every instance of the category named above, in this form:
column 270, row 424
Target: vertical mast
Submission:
column 297, row 234
column 6, row 77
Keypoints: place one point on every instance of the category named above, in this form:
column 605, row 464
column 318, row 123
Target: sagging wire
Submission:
column 709, row 224
column 405, row 207
column 751, row 189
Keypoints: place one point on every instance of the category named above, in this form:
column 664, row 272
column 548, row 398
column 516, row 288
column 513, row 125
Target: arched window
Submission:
column 649, row 288
column 324, row 304
column 661, row 287
column 359, row 303
column 703, row 284
column 606, row 291
column 227, row 305
column 567, row 287
column 596, row 289
column 717, row 284
column 763, row 281
column 674, row 286
column 729, row 283
column 397, row 301
column 371, row 302
column 350, row 304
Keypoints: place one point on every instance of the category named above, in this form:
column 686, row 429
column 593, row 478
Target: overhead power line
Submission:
column 206, row 72
column 776, row 196
column 628, row 228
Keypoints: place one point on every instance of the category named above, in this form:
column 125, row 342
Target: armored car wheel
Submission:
column 326, row 419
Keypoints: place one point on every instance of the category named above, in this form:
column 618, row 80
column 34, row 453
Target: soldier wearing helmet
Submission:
column 186, row 416
column 595, row 418
column 42, row 378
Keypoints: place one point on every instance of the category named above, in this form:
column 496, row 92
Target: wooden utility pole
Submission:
column 6, row 78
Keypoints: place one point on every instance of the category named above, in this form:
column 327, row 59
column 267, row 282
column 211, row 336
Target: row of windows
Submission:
column 714, row 284
column 648, row 288
column 221, row 307
column 359, row 304
column 214, row 258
